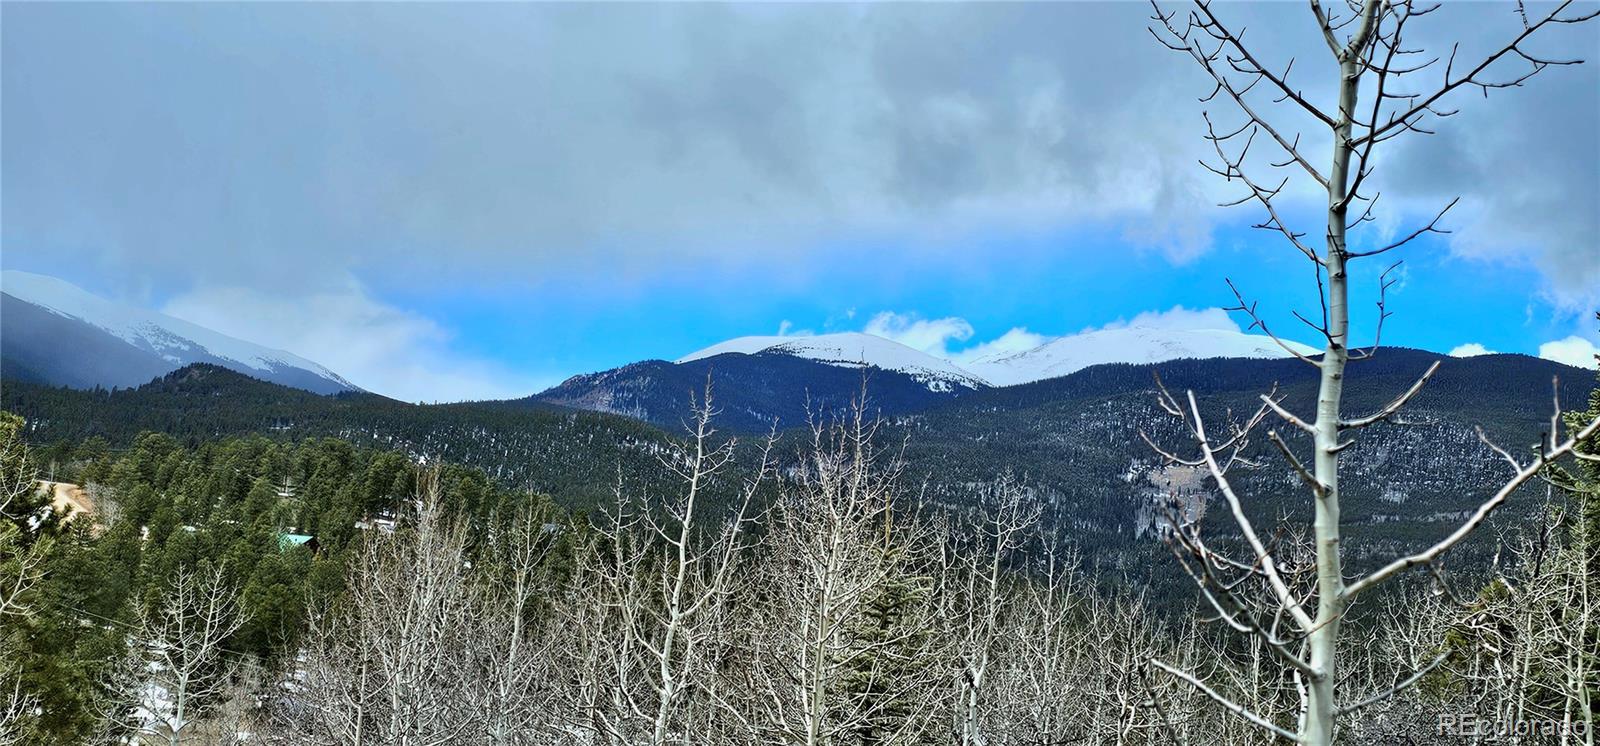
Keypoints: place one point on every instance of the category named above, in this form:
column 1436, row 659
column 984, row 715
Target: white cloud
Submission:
column 1017, row 339
column 1573, row 350
column 1471, row 349
column 937, row 336
column 786, row 329
column 932, row 336
column 1177, row 318
column 376, row 346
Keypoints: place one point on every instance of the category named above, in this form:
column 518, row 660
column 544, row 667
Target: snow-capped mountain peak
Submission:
column 1058, row 357
column 850, row 349
column 172, row 342
column 1132, row 344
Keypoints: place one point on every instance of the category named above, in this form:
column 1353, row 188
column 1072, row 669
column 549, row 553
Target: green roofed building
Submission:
column 290, row 541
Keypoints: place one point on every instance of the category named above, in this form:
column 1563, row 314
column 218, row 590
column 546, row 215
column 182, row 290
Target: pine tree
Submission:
column 887, row 662
column 25, row 505
column 27, row 529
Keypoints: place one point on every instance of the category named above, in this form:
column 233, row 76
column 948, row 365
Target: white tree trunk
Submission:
column 1324, row 639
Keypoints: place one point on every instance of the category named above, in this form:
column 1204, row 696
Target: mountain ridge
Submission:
column 1131, row 344
column 852, row 349
column 787, row 379
column 753, row 392
column 55, row 332
column 1053, row 358
column 1073, row 439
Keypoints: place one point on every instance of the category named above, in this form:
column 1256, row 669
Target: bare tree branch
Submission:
column 1390, row 409
column 1522, row 476
column 1405, row 118
column 1230, row 705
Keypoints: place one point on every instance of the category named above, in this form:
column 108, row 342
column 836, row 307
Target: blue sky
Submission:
column 1050, row 285
column 445, row 202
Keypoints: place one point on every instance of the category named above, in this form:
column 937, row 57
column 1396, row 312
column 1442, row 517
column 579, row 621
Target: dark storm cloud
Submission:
column 247, row 144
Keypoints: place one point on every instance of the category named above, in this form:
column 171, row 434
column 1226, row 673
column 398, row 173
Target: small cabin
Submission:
column 290, row 541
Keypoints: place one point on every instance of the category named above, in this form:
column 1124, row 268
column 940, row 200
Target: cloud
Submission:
column 1471, row 349
column 277, row 148
column 375, row 346
column 1017, row 339
column 1524, row 162
column 786, row 329
column 374, row 143
column 1176, row 318
column 1526, row 165
column 1575, row 351
column 937, row 336
column 932, row 336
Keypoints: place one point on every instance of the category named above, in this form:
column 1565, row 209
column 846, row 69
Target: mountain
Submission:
column 56, row 333
column 1058, row 357
column 762, row 380
column 854, row 349
column 752, row 392
column 1134, row 344
column 1074, row 440
column 1406, row 483
column 573, row 456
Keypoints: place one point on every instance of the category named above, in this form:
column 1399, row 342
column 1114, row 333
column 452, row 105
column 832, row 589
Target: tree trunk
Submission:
column 1323, row 642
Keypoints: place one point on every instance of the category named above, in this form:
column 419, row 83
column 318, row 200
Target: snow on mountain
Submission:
column 1133, row 344
column 1058, row 357
column 853, row 348
column 174, row 341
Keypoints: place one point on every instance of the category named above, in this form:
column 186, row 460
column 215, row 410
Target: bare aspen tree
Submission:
column 655, row 638
column 238, row 716
column 22, row 547
column 1039, row 674
column 512, row 660
column 1406, row 644
column 605, row 594
column 385, row 665
column 1368, row 41
column 16, row 706
column 1524, row 648
column 1116, row 692
column 178, row 647
column 1071, row 667
column 842, row 648
column 980, row 587
column 696, row 573
column 1574, row 651
column 1579, row 649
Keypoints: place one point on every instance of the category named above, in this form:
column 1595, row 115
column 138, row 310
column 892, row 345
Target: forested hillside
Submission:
column 93, row 584
column 314, row 592
column 570, row 454
column 757, row 392
column 1075, row 440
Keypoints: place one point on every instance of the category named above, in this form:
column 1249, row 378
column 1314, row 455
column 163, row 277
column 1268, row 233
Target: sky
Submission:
column 444, row 201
